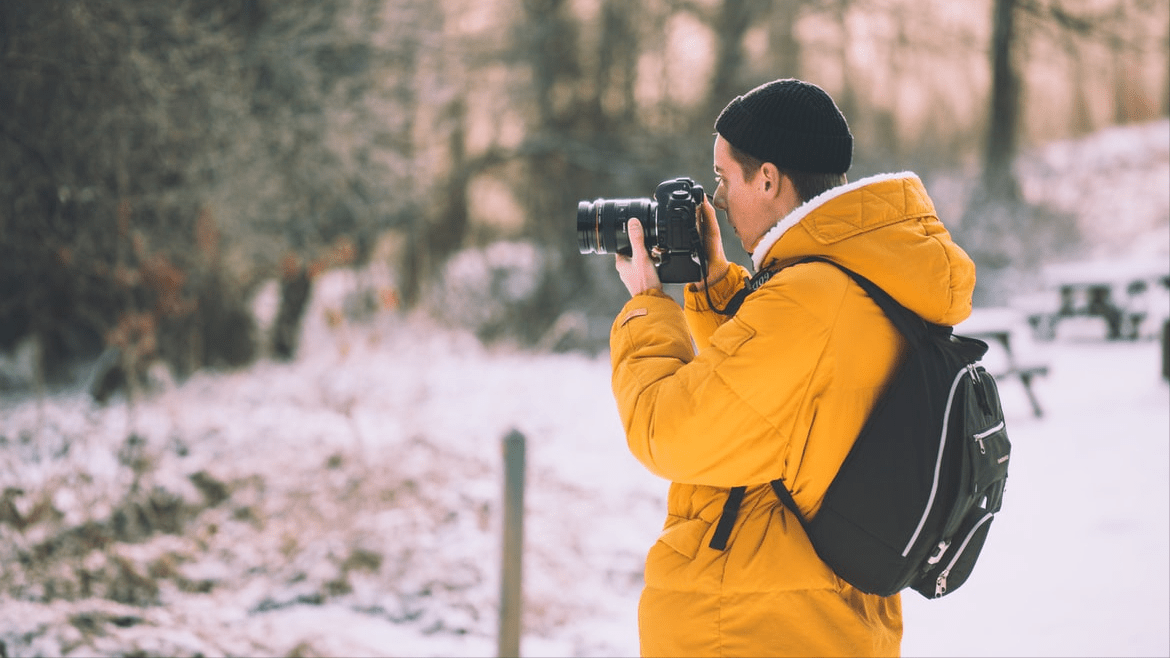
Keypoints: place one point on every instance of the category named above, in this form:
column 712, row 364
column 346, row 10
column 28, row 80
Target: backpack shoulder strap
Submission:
column 753, row 284
column 907, row 322
column 727, row 518
column 786, row 497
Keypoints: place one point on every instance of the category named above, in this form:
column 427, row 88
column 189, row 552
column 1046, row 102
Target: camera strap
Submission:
column 753, row 284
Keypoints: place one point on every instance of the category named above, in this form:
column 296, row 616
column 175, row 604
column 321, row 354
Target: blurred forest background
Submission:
column 161, row 163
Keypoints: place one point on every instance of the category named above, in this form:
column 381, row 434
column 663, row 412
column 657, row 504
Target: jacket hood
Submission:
column 886, row 229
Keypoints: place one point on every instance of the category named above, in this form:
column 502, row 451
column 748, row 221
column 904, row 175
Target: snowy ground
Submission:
column 348, row 505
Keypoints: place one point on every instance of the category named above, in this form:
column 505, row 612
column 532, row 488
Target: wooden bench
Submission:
column 1002, row 328
column 1118, row 292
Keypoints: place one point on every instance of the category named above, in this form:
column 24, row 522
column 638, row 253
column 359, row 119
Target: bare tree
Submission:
column 1003, row 124
column 1113, row 24
column 784, row 46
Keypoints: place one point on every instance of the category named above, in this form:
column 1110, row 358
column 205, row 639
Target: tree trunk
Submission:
column 1082, row 118
column 999, row 180
column 731, row 24
column 783, row 44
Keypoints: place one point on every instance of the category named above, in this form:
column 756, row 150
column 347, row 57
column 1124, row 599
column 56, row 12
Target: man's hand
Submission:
column 717, row 265
column 637, row 271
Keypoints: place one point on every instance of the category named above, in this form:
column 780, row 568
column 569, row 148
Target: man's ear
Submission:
column 771, row 180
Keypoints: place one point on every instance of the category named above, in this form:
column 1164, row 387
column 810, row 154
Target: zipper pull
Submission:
column 980, row 394
column 974, row 373
column 986, row 433
column 940, row 585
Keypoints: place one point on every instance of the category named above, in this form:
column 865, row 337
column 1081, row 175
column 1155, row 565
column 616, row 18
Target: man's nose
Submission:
column 717, row 201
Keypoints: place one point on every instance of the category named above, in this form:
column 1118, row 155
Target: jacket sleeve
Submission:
column 703, row 321
column 722, row 417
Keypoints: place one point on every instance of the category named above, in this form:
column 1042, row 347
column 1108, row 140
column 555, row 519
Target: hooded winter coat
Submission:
column 780, row 390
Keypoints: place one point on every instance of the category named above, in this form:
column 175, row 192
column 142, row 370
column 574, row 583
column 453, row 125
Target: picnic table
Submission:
column 1003, row 330
column 1125, row 294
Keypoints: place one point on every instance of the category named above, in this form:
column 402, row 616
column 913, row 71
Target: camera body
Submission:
column 668, row 222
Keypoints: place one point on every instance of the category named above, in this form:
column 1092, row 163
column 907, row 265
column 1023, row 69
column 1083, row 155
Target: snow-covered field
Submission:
column 348, row 503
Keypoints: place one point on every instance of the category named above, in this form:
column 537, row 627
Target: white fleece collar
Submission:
column 800, row 212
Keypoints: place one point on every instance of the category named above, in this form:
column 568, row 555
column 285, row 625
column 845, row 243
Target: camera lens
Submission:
column 589, row 228
column 601, row 225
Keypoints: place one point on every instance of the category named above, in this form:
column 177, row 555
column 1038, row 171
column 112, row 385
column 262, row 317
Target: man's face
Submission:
column 738, row 194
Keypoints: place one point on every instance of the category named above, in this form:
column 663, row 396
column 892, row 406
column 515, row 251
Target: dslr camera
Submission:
column 668, row 223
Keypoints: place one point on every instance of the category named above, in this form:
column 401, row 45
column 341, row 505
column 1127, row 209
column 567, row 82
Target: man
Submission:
column 781, row 388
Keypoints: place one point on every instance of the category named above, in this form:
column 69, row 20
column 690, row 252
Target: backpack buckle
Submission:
column 939, row 550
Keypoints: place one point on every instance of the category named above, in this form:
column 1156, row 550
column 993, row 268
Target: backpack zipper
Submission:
column 986, row 433
column 938, row 462
column 940, row 584
column 974, row 373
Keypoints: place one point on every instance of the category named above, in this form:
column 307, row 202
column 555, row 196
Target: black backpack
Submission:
column 914, row 499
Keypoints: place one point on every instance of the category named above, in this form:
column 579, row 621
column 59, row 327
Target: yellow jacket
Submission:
column 779, row 391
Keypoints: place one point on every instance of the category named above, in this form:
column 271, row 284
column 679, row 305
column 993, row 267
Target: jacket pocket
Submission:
column 686, row 537
column 732, row 336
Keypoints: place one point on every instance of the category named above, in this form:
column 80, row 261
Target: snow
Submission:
column 348, row 502
column 1114, row 182
column 363, row 516
column 381, row 452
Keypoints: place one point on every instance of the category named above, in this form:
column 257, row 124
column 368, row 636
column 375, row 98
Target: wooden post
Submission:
column 1166, row 350
column 510, row 590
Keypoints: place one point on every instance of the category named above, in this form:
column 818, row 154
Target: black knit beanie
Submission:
column 793, row 124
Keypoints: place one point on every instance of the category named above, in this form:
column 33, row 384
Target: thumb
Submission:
column 637, row 241
column 637, row 271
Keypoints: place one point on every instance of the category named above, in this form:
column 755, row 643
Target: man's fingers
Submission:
column 712, row 243
column 708, row 209
column 709, row 223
